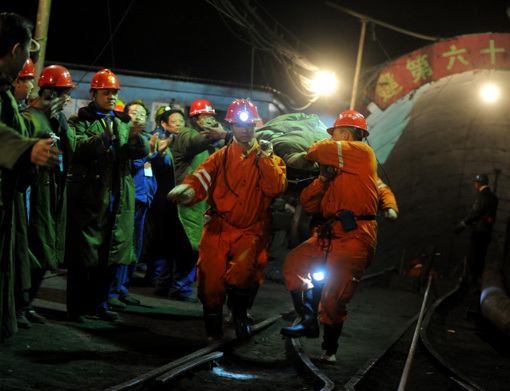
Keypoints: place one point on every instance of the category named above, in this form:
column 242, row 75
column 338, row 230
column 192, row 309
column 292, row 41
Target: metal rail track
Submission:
column 428, row 356
column 161, row 376
column 329, row 385
column 186, row 363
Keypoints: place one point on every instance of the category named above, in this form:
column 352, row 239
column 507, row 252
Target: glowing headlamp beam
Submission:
column 243, row 116
column 318, row 276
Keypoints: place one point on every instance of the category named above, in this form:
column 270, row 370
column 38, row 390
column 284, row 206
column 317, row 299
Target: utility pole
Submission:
column 364, row 20
column 41, row 32
column 358, row 64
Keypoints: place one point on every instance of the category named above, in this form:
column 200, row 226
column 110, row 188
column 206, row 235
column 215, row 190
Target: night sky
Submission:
column 189, row 38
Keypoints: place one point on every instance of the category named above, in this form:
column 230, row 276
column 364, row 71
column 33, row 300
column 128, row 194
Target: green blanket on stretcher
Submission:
column 291, row 136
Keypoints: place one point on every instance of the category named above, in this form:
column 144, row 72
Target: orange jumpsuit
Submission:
column 240, row 188
column 386, row 196
column 354, row 188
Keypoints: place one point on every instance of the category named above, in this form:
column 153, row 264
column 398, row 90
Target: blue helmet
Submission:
column 482, row 179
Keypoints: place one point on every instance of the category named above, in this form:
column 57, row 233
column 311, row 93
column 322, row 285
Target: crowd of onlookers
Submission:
column 90, row 187
column 98, row 193
column 96, row 200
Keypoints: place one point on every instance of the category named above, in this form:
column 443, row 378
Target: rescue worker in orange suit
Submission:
column 239, row 181
column 482, row 219
column 347, row 194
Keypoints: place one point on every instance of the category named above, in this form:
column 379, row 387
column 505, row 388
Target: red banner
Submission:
column 433, row 62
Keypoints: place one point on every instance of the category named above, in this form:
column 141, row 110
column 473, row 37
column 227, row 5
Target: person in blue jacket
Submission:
column 145, row 188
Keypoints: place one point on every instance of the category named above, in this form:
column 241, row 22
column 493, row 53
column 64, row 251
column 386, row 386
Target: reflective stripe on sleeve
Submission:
column 204, row 178
column 381, row 184
column 340, row 157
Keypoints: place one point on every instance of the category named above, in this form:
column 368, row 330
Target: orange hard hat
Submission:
column 201, row 106
column 242, row 111
column 28, row 70
column 350, row 118
column 104, row 79
column 55, row 76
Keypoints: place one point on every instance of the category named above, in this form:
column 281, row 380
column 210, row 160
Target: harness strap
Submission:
column 365, row 217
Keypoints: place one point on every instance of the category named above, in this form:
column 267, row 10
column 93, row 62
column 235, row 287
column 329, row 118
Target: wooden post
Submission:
column 41, row 32
column 358, row 63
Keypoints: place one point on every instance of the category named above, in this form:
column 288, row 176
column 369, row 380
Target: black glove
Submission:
column 328, row 172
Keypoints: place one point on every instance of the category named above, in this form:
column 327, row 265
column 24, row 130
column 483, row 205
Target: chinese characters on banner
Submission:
column 433, row 62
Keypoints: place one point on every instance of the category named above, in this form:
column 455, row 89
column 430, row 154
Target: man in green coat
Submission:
column 48, row 200
column 19, row 156
column 192, row 147
column 101, row 199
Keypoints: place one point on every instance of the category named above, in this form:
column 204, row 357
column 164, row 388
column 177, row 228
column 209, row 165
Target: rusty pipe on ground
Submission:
column 494, row 301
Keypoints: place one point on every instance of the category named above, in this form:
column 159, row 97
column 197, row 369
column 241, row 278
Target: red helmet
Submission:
column 104, row 79
column 201, row 106
column 242, row 111
column 350, row 118
column 28, row 70
column 55, row 76
column 120, row 106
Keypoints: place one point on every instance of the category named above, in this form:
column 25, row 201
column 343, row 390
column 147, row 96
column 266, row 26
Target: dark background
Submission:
column 193, row 38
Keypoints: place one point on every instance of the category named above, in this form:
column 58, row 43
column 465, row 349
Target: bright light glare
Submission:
column 218, row 371
column 319, row 276
column 490, row 93
column 324, row 83
column 243, row 116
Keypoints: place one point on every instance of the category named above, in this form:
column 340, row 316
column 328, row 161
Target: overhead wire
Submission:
column 298, row 41
column 376, row 39
column 222, row 13
column 253, row 30
column 109, row 40
column 266, row 40
column 383, row 24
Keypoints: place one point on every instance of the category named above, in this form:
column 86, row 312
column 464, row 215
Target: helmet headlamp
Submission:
column 243, row 116
column 318, row 276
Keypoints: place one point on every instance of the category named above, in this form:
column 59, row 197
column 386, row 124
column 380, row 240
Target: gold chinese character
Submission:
column 492, row 51
column 420, row 68
column 387, row 87
column 455, row 54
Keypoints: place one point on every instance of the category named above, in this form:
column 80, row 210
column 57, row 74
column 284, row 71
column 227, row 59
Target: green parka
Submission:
column 190, row 150
column 48, row 199
column 100, row 231
column 15, row 172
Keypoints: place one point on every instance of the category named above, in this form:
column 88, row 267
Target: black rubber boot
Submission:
column 330, row 338
column 306, row 304
column 253, row 294
column 213, row 320
column 240, row 298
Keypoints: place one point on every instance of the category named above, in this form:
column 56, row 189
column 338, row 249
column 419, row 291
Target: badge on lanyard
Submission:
column 147, row 169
